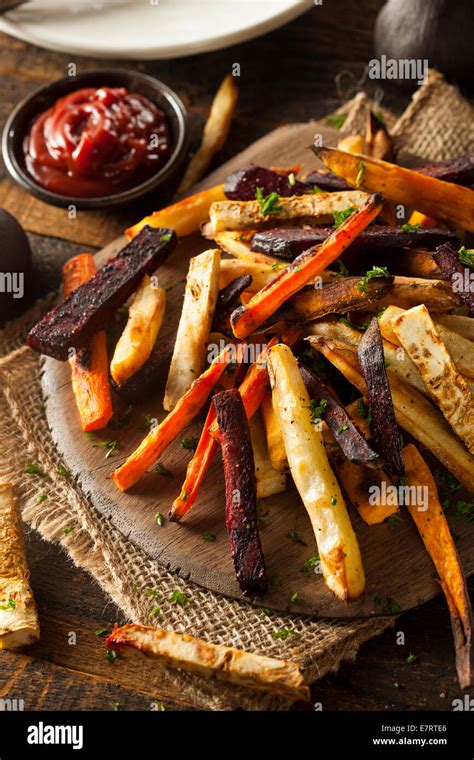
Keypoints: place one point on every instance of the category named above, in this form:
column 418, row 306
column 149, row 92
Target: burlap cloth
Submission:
column 125, row 572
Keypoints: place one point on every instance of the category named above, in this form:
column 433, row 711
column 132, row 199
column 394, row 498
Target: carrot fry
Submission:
column 434, row 530
column 182, row 414
column 89, row 365
column 305, row 267
column 185, row 216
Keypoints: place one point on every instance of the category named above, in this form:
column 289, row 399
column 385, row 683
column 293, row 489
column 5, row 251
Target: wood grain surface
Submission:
column 396, row 565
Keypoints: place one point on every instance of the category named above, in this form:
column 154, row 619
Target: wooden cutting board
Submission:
column 397, row 568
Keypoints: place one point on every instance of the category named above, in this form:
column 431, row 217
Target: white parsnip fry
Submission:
column 317, row 485
column 200, row 296
column 19, row 625
column 269, row 480
column 418, row 335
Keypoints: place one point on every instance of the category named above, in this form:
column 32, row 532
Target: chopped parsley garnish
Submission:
column 10, row 605
column 360, row 173
column 147, row 422
column 160, row 519
column 348, row 323
column 341, row 428
column 293, row 597
column 466, row 257
column 363, row 410
column 155, row 611
column 411, row 658
column 64, row 472
column 34, row 469
column 115, row 706
column 386, row 605
column 208, row 536
column 152, row 592
column 111, row 447
column 100, row 631
column 293, row 536
column 178, row 597
column 266, row 611
column 68, row 530
column 277, row 265
column 110, row 655
column 410, row 227
column 341, row 216
column 310, row 564
column 336, row 120
column 374, row 272
column 291, row 179
column 333, row 500
column 269, row 204
column 41, row 497
column 160, row 469
column 315, row 189
column 167, row 236
column 393, row 521
column 189, row 443
column 342, row 267
column 317, row 408
column 285, row 633
column 465, row 509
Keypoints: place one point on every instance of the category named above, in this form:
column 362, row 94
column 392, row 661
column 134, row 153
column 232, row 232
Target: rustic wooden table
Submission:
column 288, row 75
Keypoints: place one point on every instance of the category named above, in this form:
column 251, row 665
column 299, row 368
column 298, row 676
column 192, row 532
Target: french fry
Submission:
column 275, row 444
column 145, row 317
column 340, row 297
column 90, row 365
column 261, row 274
column 445, row 201
column 270, row 481
column 230, row 242
column 439, row 543
column 414, row 413
column 317, row 208
column 356, row 481
column 200, row 296
column 156, row 441
column 464, row 326
column 215, row 133
column 19, row 624
column 304, row 268
column 437, row 295
column 224, row 663
column 185, row 217
column 418, row 335
column 461, row 349
column 317, row 485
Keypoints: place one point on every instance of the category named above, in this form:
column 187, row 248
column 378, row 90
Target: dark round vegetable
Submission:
column 15, row 266
column 436, row 30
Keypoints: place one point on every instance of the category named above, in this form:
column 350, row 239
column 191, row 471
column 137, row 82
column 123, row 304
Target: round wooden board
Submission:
column 397, row 567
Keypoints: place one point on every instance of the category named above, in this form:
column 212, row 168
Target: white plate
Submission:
column 146, row 28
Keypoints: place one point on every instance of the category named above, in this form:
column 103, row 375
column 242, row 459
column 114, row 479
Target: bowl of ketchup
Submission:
column 103, row 138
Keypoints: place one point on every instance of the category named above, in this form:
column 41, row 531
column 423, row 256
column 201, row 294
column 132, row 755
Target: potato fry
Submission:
column 464, row 326
column 437, row 295
column 317, row 485
column 275, row 443
column 215, row 133
column 145, row 317
column 230, row 241
column 269, row 480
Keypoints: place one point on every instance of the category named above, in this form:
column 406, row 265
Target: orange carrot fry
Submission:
column 304, row 268
column 89, row 366
column 188, row 406
column 431, row 522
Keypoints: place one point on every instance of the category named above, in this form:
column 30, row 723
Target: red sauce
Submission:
column 95, row 142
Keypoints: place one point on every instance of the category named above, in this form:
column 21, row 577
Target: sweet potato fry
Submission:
column 89, row 365
column 356, row 481
column 439, row 543
column 445, row 201
column 184, row 217
column 414, row 413
column 269, row 480
column 156, row 441
column 288, row 282
column 215, row 133
column 275, row 444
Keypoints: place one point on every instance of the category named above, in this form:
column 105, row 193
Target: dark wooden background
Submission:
column 288, row 75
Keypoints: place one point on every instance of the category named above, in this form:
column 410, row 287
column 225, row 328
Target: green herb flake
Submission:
column 360, row 174
column 292, row 535
column 364, row 410
column 111, row 447
column 34, row 469
column 160, row 519
column 68, row 530
column 208, row 536
column 160, row 469
column 167, row 236
column 291, row 179
column 336, row 120
column 333, row 500
column 293, row 597
column 10, row 605
column 315, row 190
column 189, row 443
column 178, row 597
column 374, row 272
column 269, row 204
column 110, row 655
column 411, row 658
column 342, row 428
column 466, row 257
column 41, row 497
column 285, row 633
column 343, row 270
column 465, row 509
column 64, row 472
column 155, row 611
column 100, row 631
column 317, row 408
column 341, row 216
column 152, row 592
column 410, row 227
column 393, row 521
column 348, row 323
column 115, row 706
column 310, row 564
column 266, row 611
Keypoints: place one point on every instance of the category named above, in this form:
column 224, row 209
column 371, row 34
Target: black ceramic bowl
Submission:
column 40, row 100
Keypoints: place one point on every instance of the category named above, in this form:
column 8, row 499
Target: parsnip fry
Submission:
column 145, row 317
column 317, row 208
column 19, row 625
column 445, row 201
column 317, row 485
column 183, row 413
column 414, row 413
column 180, row 650
column 200, row 296
column 184, row 217
column 439, row 543
column 437, row 295
column 464, row 326
column 304, row 268
column 215, row 133
column 269, row 480
column 275, row 444
column 418, row 335
column 231, row 243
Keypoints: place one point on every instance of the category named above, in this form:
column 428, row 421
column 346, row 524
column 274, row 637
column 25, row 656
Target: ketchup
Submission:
column 96, row 142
